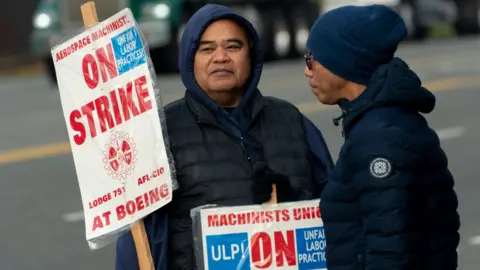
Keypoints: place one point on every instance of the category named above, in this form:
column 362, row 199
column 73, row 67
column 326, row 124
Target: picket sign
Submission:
column 145, row 261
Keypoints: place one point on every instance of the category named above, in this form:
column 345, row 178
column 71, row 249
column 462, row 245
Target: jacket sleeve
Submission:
column 320, row 158
column 385, row 177
column 156, row 227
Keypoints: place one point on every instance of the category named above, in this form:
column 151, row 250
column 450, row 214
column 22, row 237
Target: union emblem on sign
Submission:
column 120, row 156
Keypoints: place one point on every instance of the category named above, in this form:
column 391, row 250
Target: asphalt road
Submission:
column 39, row 195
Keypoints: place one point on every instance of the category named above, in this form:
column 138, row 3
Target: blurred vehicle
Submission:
column 421, row 15
column 468, row 19
column 282, row 24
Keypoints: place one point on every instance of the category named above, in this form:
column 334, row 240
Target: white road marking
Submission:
column 474, row 241
column 73, row 216
column 451, row 133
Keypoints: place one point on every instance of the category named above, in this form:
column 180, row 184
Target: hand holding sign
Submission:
column 113, row 112
column 270, row 187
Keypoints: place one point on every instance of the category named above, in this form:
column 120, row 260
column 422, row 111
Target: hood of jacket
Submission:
column 392, row 85
column 189, row 44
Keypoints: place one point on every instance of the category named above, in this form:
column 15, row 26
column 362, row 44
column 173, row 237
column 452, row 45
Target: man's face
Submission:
column 326, row 86
column 222, row 60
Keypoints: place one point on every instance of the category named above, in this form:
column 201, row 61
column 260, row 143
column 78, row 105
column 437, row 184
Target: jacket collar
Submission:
column 204, row 115
column 351, row 112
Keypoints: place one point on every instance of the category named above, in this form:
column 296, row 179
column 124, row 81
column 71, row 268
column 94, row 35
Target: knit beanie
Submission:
column 353, row 41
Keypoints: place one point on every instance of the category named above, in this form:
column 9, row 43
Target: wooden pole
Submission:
column 144, row 255
column 273, row 198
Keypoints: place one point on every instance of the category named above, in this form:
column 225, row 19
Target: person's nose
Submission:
column 221, row 56
column 307, row 72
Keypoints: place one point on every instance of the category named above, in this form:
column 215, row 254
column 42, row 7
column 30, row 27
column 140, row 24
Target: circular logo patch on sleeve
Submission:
column 380, row 168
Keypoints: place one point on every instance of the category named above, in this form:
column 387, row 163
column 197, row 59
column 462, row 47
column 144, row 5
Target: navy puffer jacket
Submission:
column 390, row 202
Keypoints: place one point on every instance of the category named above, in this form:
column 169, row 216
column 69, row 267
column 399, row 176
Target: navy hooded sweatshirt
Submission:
column 235, row 123
column 390, row 201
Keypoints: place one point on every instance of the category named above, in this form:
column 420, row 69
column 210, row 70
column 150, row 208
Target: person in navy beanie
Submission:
column 389, row 203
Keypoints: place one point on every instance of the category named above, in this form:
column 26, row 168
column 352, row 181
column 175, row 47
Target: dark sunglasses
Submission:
column 309, row 60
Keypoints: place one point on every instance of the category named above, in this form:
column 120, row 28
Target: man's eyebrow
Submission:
column 236, row 40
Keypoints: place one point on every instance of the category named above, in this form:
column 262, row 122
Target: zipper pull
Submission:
column 336, row 120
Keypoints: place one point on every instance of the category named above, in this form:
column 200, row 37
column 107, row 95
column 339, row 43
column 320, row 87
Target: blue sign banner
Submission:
column 129, row 50
column 236, row 250
column 311, row 248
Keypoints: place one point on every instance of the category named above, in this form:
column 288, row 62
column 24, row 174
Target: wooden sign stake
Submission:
column 273, row 199
column 144, row 255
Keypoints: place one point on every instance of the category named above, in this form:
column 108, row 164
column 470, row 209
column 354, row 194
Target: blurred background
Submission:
column 42, row 220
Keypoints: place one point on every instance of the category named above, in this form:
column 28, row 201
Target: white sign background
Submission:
column 309, row 236
column 143, row 133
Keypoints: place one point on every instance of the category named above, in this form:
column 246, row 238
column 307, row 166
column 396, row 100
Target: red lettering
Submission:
column 107, row 63
column 109, row 113
column 297, row 214
column 105, row 198
column 262, row 217
column 317, row 212
column 106, row 216
column 306, row 214
column 213, row 221
column 89, row 64
column 268, row 217
column 256, row 218
column 120, row 22
column 87, row 110
column 154, row 196
column 285, row 249
column 241, row 218
column 78, row 127
column 231, row 219
column 145, row 197
column 127, row 102
column 285, row 215
column 257, row 260
column 116, row 108
column 131, row 207
column 142, row 93
column 223, row 220
column 164, row 191
column 102, row 105
column 139, row 201
column 95, row 36
column 97, row 223
column 277, row 214
column 121, row 214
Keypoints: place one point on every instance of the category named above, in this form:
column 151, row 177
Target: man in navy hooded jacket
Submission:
column 230, row 144
column 389, row 203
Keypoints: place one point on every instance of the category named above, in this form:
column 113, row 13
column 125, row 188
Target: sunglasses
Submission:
column 309, row 60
